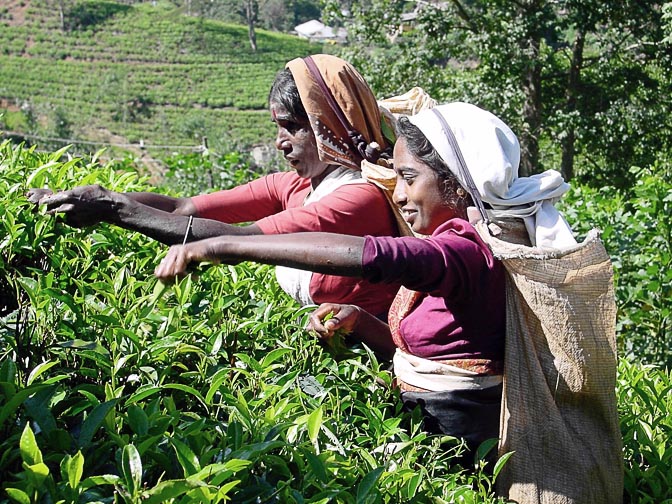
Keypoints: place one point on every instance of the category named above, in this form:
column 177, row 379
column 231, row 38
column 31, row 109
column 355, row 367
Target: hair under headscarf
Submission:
column 355, row 99
column 491, row 153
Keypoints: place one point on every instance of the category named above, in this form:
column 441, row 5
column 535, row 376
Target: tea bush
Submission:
column 115, row 388
column 645, row 400
column 637, row 233
column 197, row 173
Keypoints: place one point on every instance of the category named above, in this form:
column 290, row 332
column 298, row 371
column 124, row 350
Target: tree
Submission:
column 237, row 11
column 586, row 80
column 251, row 8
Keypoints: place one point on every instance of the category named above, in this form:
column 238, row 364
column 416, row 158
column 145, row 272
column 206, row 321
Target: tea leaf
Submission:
column 188, row 460
column 39, row 369
column 366, row 489
column 313, row 424
column 16, row 400
column 93, row 422
column 171, row 489
column 18, row 495
column 73, row 468
column 30, row 452
column 131, row 465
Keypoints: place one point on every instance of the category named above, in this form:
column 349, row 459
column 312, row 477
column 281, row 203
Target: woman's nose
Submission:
column 399, row 194
column 281, row 140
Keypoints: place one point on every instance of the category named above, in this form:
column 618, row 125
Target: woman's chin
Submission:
column 422, row 230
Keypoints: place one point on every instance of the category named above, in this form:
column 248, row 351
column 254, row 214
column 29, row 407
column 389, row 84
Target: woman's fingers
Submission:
column 173, row 265
column 62, row 208
column 36, row 194
column 329, row 318
column 56, row 198
column 316, row 322
column 61, row 202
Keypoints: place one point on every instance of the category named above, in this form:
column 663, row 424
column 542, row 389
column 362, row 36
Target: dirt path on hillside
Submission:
column 153, row 167
column 17, row 11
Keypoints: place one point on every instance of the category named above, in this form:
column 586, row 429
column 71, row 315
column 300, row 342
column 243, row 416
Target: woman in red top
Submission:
column 323, row 191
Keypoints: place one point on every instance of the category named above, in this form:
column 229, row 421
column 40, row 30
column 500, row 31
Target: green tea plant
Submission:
column 116, row 388
column 205, row 172
column 637, row 232
column 645, row 399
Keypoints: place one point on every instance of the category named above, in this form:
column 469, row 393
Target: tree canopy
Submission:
column 584, row 83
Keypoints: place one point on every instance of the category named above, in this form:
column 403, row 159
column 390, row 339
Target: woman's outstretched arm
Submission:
column 328, row 253
column 160, row 217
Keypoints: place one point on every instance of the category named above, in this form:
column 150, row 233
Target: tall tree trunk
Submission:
column 529, row 138
column 567, row 164
column 61, row 14
column 250, row 14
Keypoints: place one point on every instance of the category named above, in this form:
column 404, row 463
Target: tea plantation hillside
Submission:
column 117, row 73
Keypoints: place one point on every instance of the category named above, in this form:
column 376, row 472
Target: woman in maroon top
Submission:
column 446, row 325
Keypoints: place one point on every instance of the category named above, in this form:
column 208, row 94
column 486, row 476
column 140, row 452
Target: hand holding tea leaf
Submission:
column 83, row 206
column 331, row 319
column 332, row 323
column 182, row 258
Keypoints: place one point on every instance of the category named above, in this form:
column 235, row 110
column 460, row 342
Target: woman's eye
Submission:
column 290, row 126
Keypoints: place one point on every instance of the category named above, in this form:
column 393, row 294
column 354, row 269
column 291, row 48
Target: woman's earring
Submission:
column 461, row 192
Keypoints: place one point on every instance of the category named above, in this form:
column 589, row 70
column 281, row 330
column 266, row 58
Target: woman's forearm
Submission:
column 375, row 334
column 327, row 253
column 172, row 228
column 161, row 217
column 320, row 252
column 179, row 206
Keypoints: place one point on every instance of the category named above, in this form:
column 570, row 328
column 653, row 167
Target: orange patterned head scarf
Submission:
column 335, row 144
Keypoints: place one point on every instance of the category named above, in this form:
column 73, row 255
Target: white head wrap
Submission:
column 492, row 153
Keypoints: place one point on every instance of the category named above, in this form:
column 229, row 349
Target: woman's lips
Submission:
column 408, row 214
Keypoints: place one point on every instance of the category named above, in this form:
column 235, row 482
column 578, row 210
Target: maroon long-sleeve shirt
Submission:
column 461, row 313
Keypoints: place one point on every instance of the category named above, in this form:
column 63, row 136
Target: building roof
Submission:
column 316, row 30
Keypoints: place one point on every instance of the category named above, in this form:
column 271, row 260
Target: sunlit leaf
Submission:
column 131, row 465
column 30, row 452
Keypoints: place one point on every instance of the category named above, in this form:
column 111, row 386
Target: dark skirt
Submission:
column 469, row 414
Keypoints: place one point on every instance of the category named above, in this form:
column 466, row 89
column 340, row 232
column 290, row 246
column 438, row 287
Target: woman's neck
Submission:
column 317, row 180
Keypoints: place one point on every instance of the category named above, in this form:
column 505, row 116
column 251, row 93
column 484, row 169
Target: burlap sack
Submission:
column 559, row 411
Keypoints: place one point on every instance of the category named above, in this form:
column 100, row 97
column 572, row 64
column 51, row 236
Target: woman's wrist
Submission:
column 358, row 318
column 122, row 208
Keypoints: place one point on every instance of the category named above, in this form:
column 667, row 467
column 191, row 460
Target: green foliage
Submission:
column 86, row 15
column 112, row 383
column 62, row 125
column 279, row 15
column 114, row 386
column 200, row 173
column 645, row 399
column 637, row 232
column 589, row 81
column 140, row 72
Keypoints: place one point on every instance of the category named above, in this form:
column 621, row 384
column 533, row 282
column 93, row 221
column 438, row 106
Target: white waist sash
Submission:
column 438, row 377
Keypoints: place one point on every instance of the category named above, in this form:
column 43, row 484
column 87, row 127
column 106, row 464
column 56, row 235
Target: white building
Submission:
column 316, row 31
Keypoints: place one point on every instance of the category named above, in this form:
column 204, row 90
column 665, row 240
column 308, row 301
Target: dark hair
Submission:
column 424, row 151
column 284, row 92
